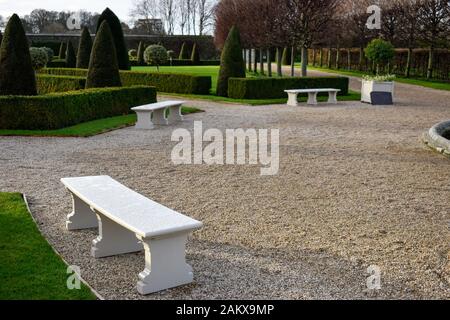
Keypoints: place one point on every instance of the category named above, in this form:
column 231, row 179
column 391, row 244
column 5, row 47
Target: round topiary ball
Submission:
column 50, row 53
column 156, row 55
column 132, row 54
column 39, row 58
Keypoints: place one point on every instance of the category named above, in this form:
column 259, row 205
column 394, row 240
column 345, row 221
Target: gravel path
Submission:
column 356, row 188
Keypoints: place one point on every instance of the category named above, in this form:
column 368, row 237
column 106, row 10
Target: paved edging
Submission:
column 435, row 140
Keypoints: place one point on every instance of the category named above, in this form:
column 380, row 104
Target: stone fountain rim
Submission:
column 434, row 138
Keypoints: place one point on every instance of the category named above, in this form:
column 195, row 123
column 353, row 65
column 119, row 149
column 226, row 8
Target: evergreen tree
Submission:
column 119, row 40
column 71, row 58
column 17, row 76
column 140, row 54
column 84, row 49
column 183, row 52
column 62, row 50
column 195, row 56
column 103, row 67
column 231, row 62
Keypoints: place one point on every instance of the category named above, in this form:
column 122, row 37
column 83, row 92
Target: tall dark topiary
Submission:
column 62, row 50
column 231, row 62
column 183, row 52
column 140, row 54
column 17, row 76
column 84, row 49
column 71, row 58
column 103, row 66
column 118, row 37
column 195, row 56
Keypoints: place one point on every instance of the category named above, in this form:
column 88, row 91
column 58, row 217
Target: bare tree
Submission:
column 434, row 26
column 205, row 15
column 168, row 12
column 305, row 21
column 145, row 10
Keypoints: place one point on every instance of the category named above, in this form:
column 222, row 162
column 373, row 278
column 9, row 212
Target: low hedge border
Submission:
column 60, row 110
column 180, row 63
column 273, row 88
column 57, row 63
column 47, row 83
column 164, row 82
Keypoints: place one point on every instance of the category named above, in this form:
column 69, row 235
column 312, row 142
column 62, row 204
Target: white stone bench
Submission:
column 312, row 96
column 159, row 110
column 129, row 222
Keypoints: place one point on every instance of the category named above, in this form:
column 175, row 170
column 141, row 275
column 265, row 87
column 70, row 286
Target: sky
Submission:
column 23, row 7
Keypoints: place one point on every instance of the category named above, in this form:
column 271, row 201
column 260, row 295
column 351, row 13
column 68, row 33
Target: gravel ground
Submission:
column 356, row 188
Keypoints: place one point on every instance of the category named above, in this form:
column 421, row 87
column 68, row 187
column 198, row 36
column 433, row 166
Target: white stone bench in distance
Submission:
column 312, row 96
column 129, row 222
column 144, row 114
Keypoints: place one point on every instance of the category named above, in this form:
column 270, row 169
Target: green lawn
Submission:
column 29, row 268
column 86, row 129
column 434, row 84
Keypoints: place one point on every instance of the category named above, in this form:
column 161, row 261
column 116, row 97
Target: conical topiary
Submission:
column 195, row 56
column 231, row 62
column 119, row 40
column 140, row 54
column 103, row 66
column 62, row 50
column 17, row 76
column 71, row 58
column 286, row 57
column 84, row 49
column 183, row 52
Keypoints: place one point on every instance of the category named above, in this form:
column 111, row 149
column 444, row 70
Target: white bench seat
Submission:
column 144, row 113
column 312, row 95
column 129, row 222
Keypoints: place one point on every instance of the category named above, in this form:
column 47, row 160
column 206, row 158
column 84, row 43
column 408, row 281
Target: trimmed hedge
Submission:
column 273, row 88
column 57, row 63
column 189, row 62
column 169, row 82
column 60, row 110
column 164, row 82
column 65, row 72
column 49, row 83
column 180, row 63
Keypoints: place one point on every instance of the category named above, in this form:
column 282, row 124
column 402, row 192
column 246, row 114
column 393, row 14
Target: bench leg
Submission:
column 312, row 98
column 165, row 264
column 175, row 114
column 144, row 121
column 292, row 100
column 82, row 217
column 159, row 117
column 113, row 239
column 332, row 97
